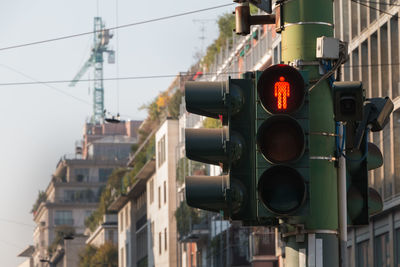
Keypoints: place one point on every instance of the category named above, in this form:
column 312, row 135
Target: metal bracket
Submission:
column 299, row 62
column 302, row 232
column 324, row 134
column 308, row 23
column 329, row 158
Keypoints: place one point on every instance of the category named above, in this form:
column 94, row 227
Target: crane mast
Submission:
column 101, row 38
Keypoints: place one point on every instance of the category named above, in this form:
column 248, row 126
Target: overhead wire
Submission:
column 116, row 27
column 18, row 223
column 157, row 77
column 117, row 52
column 45, row 84
column 10, row 244
column 380, row 3
column 374, row 8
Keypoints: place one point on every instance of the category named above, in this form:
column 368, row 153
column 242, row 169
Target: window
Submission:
column 63, row 217
column 382, row 251
column 104, row 173
column 152, row 233
column 397, row 248
column 165, row 239
column 69, row 196
column 151, row 185
column 111, row 236
column 159, row 242
column 127, row 217
column 121, row 220
column 165, row 192
column 362, row 254
column 161, row 151
column 159, row 197
column 396, row 146
column 140, row 201
column 81, row 175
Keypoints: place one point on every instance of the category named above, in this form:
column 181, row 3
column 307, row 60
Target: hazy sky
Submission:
column 39, row 124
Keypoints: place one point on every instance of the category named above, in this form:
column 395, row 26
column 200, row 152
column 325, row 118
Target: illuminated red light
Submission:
column 282, row 92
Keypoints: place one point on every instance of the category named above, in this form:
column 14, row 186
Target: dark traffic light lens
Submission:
column 281, row 189
column 281, row 89
column 281, row 139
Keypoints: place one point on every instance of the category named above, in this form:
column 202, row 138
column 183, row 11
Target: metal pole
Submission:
column 342, row 195
column 317, row 244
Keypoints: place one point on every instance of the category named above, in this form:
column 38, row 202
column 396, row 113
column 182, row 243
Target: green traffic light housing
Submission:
column 282, row 156
column 230, row 147
column 363, row 156
column 348, row 101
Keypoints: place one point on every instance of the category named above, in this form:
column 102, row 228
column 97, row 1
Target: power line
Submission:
column 116, row 27
column 10, row 244
column 162, row 76
column 374, row 8
column 112, row 79
column 19, row 223
column 380, row 3
column 45, row 84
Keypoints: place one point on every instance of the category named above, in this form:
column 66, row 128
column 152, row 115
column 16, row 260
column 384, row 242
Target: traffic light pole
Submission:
column 302, row 22
column 342, row 194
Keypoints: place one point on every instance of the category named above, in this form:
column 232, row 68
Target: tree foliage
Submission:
column 226, row 24
column 105, row 256
column 114, row 183
column 212, row 123
column 174, row 104
column 61, row 232
column 185, row 217
column 42, row 197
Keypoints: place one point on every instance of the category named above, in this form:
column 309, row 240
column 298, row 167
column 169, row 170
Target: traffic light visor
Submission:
column 281, row 89
column 281, row 139
column 282, row 189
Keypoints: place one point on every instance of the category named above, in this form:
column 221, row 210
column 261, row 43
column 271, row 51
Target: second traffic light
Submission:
column 282, row 157
column 234, row 192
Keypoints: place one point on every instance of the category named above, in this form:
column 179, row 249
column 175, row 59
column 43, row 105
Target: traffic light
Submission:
column 282, row 155
column 362, row 156
column 231, row 147
column 348, row 101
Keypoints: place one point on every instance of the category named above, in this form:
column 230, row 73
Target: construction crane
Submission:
column 101, row 38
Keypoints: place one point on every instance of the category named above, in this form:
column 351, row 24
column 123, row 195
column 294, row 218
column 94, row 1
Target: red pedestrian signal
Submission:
column 282, row 92
column 281, row 89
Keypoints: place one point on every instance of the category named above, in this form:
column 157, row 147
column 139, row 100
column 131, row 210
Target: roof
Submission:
column 28, row 252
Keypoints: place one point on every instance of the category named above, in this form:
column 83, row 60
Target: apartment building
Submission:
column 372, row 32
column 76, row 185
column 131, row 208
column 161, row 197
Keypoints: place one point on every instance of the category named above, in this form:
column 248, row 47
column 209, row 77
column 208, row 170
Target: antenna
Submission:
column 202, row 37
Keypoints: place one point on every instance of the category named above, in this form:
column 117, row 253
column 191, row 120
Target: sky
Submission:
column 40, row 123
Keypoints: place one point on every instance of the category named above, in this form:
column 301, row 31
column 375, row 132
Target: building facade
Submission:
column 75, row 187
column 161, row 197
column 372, row 32
column 133, row 226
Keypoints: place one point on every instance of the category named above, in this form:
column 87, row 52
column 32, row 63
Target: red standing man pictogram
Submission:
column 282, row 92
